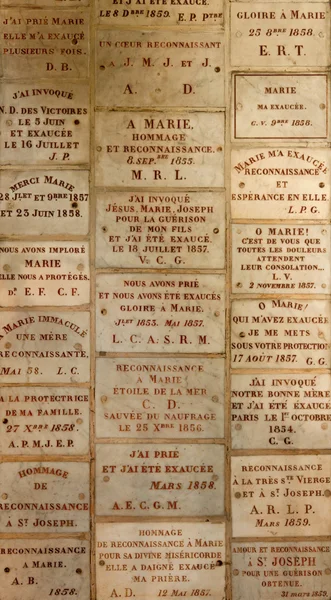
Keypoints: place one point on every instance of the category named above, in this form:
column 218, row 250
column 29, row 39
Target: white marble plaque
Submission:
column 160, row 149
column 281, row 258
column 280, row 106
column 44, row 203
column 280, row 333
column 182, row 69
column 36, row 420
column 37, row 274
column 287, row 34
column 44, row 346
column 131, row 556
column 158, row 479
column 160, row 313
column 44, row 497
column 44, row 123
column 161, row 230
column 40, row 568
column 268, row 571
column 44, row 43
column 280, row 183
column 281, row 495
column 281, row 411
column 160, row 398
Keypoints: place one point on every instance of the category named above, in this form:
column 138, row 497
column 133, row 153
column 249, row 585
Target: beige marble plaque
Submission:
column 44, row 497
column 44, row 43
column 37, row 568
column 281, row 495
column 36, row 420
column 287, row 34
column 44, row 123
column 159, row 480
column 160, row 149
column 280, row 183
column 160, row 313
column 268, row 571
column 44, row 346
column 280, row 333
column 183, row 69
column 44, row 203
column 161, row 230
column 190, row 555
column 160, row 12
column 281, row 411
column 37, row 274
column 160, row 398
column 280, row 106
column 47, row 3
column 278, row 258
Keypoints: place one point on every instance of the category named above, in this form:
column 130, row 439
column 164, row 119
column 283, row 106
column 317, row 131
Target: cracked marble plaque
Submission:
column 262, row 570
column 44, row 347
column 49, row 497
column 44, row 123
column 281, row 495
column 44, row 43
column 37, row 274
column 281, row 411
column 285, row 34
column 281, row 257
column 160, row 313
column 280, row 333
column 159, row 480
column 183, row 69
column 44, row 203
column 280, row 106
column 280, row 183
column 38, row 568
column 174, row 398
column 190, row 555
column 160, row 149
column 161, row 230
column 37, row 420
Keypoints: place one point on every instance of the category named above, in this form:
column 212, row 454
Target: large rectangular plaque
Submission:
column 161, row 559
column 159, row 480
column 160, row 313
column 44, row 497
column 160, row 398
column 161, row 230
column 154, row 149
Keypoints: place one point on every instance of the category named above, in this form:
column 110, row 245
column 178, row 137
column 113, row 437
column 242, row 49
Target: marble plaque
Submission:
column 280, row 257
column 40, row 568
column 160, row 398
column 37, row 274
column 160, row 149
column 281, row 411
column 159, row 480
column 280, row 106
column 160, row 313
column 47, row 3
column 160, row 559
column 280, row 183
column 287, row 34
column 36, row 420
column 183, row 69
column 44, row 346
column 44, row 497
column 44, row 43
column 268, row 571
column 281, row 334
column 44, row 203
column 44, row 123
column 281, row 495
column 163, row 230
